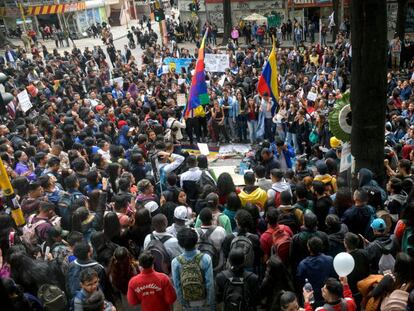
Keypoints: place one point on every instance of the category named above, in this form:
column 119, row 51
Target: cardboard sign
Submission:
column 181, row 99
column 24, row 100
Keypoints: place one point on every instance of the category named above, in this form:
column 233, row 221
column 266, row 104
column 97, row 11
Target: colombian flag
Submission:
column 198, row 90
column 268, row 82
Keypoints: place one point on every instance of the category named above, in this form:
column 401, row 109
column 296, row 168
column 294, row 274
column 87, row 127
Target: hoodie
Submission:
column 327, row 180
column 382, row 245
column 336, row 241
column 254, row 195
column 395, row 203
column 366, row 179
column 279, row 186
column 123, row 137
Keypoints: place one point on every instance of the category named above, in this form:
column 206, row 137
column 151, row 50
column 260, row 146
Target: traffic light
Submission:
column 159, row 15
column 191, row 7
column 197, row 6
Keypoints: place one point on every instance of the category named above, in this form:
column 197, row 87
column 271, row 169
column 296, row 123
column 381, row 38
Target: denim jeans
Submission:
column 292, row 136
column 252, row 125
column 242, row 127
column 230, row 127
column 268, row 129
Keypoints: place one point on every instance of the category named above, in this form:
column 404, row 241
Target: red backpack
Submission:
column 277, row 198
column 281, row 241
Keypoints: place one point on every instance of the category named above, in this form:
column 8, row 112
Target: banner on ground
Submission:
column 216, row 62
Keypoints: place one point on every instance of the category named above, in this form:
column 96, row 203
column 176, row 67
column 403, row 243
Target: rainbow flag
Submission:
column 268, row 81
column 198, row 90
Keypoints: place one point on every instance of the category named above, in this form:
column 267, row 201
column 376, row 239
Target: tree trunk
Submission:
column 227, row 21
column 335, row 4
column 401, row 17
column 368, row 84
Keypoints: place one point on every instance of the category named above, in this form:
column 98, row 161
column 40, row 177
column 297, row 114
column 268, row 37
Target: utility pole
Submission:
column 18, row 4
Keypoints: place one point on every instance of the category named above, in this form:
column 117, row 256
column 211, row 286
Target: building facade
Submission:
column 75, row 16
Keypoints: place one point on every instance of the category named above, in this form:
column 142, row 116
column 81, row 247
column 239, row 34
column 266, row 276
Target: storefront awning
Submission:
column 43, row 9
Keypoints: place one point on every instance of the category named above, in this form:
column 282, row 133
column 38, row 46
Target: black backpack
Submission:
column 289, row 219
column 162, row 260
column 236, row 296
column 205, row 179
column 206, row 246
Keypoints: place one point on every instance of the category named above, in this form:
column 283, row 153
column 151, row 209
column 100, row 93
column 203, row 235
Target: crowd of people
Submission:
column 118, row 213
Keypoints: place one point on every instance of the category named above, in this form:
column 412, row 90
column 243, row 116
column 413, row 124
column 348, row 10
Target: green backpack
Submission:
column 192, row 280
column 407, row 244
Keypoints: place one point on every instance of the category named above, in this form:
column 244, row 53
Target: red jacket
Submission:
column 350, row 303
column 152, row 290
column 266, row 239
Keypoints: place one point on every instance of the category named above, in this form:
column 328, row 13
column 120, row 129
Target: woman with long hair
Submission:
column 277, row 280
column 225, row 186
column 22, row 166
column 114, row 171
column 32, row 273
column 112, row 228
column 141, row 228
column 252, row 116
column 121, row 269
column 242, row 116
column 232, row 206
column 343, row 200
column 216, row 124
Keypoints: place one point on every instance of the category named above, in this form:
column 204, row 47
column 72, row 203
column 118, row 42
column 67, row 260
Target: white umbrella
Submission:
column 255, row 17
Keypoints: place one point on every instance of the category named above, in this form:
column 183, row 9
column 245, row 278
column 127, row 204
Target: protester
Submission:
column 102, row 170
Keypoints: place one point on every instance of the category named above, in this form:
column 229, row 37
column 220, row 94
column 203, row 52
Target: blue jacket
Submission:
column 207, row 270
column 123, row 138
column 289, row 154
column 234, row 107
column 317, row 269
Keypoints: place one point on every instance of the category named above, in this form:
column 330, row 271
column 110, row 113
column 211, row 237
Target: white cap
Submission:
column 151, row 206
column 181, row 212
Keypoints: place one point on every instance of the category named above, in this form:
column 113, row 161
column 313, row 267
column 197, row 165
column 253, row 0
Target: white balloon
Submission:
column 343, row 264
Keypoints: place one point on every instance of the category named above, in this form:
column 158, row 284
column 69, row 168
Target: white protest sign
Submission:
column 181, row 100
column 203, row 149
column 181, row 81
column 24, row 101
column 346, row 157
column 312, row 96
column 216, row 62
